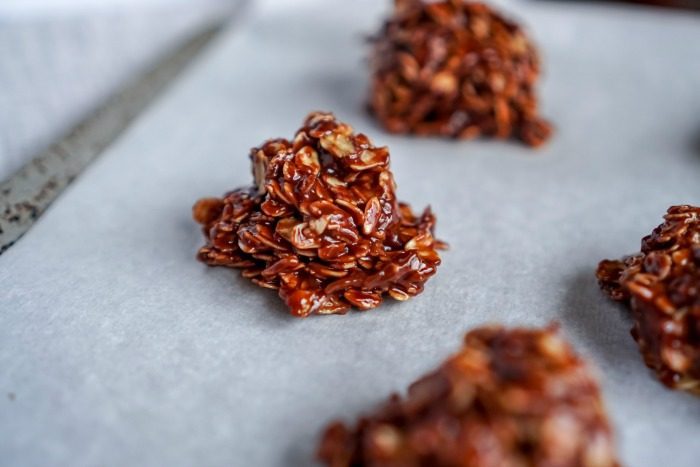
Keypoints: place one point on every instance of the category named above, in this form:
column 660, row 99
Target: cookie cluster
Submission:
column 507, row 397
column 321, row 224
column 455, row 68
column 661, row 285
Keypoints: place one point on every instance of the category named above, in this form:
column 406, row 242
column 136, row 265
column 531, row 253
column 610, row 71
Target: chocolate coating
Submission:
column 322, row 224
column 508, row 397
column 661, row 285
column 455, row 68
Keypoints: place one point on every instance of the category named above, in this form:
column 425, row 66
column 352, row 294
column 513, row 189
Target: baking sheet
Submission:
column 118, row 348
column 59, row 60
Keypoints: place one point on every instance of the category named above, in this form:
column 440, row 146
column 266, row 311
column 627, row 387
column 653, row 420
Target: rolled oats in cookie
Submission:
column 508, row 397
column 321, row 223
column 455, row 68
column 661, row 285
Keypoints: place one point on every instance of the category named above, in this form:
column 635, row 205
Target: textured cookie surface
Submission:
column 455, row 68
column 322, row 224
column 509, row 397
column 661, row 285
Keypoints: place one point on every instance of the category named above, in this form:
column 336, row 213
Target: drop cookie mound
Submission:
column 321, row 224
column 661, row 285
column 508, row 397
column 455, row 68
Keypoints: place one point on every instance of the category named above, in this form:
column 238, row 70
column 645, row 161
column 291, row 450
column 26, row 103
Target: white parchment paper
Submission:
column 118, row 348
